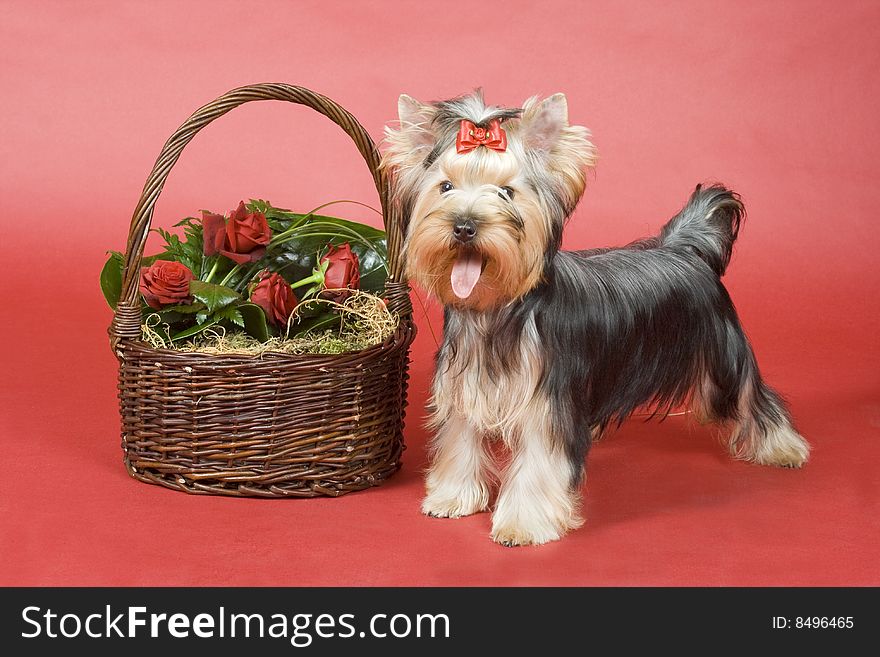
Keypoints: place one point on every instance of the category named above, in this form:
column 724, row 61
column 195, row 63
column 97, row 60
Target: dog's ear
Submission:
column 415, row 119
column 545, row 128
column 569, row 153
column 543, row 121
column 410, row 143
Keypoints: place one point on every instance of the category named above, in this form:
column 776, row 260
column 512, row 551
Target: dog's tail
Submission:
column 707, row 225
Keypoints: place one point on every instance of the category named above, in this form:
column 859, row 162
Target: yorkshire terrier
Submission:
column 545, row 349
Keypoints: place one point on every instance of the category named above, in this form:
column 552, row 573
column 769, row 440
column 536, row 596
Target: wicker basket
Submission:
column 275, row 425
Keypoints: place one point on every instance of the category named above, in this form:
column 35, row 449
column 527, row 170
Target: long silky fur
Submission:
column 553, row 347
column 633, row 327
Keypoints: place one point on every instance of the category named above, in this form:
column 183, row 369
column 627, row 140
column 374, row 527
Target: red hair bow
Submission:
column 470, row 136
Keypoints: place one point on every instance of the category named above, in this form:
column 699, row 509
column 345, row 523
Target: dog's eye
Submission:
column 507, row 192
column 446, row 186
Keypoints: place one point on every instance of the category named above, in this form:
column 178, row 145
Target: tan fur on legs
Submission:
column 536, row 503
column 457, row 482
column 766, row 437
column 781, row 445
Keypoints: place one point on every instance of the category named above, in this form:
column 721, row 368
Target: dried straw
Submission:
column 364, row 321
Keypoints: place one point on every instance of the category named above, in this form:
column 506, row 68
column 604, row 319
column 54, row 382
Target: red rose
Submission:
column 342, row 273
column 165, row 282
column 243, row 238
column 275, row 296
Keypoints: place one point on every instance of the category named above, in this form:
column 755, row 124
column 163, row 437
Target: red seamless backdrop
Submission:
column 779, row 100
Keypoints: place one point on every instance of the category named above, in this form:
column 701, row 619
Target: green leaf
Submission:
column 146, row 261
column 194, row 330
column 294, row 256
column 254, row 320
column 166, row 316
column 213, row 296
column 278, row 219
column 186, row 310
column 259, row 205
column 230, row 313
column 174, row 314
column 189, row 251
column 111, row 278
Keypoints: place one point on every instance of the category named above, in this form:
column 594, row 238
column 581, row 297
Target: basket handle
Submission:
column 127, row 316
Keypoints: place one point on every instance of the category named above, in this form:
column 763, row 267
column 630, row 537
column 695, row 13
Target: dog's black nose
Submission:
column 464, row 230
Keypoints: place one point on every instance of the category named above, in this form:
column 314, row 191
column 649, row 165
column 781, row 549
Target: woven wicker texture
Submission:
column 274, row 425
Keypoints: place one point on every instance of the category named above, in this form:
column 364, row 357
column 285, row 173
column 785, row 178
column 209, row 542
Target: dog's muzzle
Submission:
column 464, row 230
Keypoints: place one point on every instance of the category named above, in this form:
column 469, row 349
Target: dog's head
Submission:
column 485, row 191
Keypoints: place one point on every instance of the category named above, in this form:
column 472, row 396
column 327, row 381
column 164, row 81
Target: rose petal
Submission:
column 258, row 230
column 239, row 213
column 165, row 282
column 334, row 276
column 212, row 226
column 244, row 258
column 257, row 253
column 151, row 299
column 230, row 237
column 275, row 296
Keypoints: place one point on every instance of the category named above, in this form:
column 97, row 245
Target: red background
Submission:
column 777, row 99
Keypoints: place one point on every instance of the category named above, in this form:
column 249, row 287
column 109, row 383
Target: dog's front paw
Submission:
column 516, row 535
column 531, row 526
column 464, row 503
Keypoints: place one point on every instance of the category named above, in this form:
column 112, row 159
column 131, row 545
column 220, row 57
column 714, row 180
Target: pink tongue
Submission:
column 465, row 273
